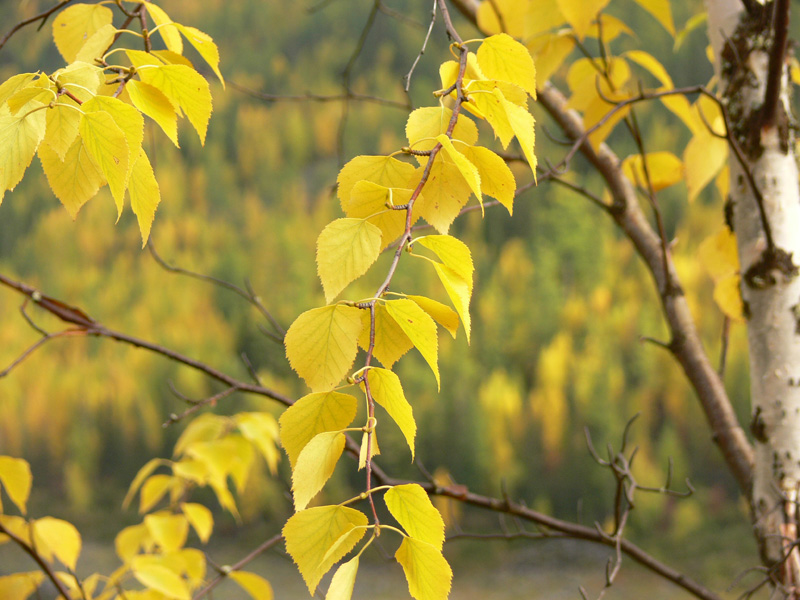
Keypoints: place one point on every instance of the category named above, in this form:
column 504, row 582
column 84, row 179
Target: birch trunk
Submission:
column 765, row 203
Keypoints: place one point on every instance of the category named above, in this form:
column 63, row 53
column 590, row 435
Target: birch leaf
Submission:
column 144, row 193
column 580, row 14
column 314, row 414
column 496, row 178
column 719, row 256
column 412, row 508
column 367, row 447
column 419, row 328
column 97, row 44
column 468, row 171
column 704, row 156
column 665, row 169
column 459, row 290
column 452, row 252
column 152, row 102
column 427, row 572
column 13, row 84
column 315, row 466
column 441, row 313
column 59, row 539
column 73, row 26
column 61, row 129
column 661, row 10
column 205, row 47
column 341, row 587
column 168, row 30
column 168, row 530
column 383, row 170
column 521, row 123
column 322, row 344
column 391, row 342
column 200, row 518
column 16, row 477
column 159, row 578
column 261, row 430
column 346, row 249
column 20, row 136
column 728, row 296
column 425, row 124
column 369, row 200
column 256, row 586
column 444, row 194
column 20, row 586
column 388, row 392
column 310, row 533
column 107, row 146
column 502, row 57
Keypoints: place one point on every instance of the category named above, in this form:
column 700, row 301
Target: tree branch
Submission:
column 777, row 61
column 43, row 16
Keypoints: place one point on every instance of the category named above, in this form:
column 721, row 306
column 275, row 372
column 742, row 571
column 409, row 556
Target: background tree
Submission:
column 607, row 89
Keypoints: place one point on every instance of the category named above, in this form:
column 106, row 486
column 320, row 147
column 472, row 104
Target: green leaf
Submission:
column 315, row 466
column 383, row 170
column 107, row 146
column 341, row 587
column 496, row 178
column 200, row 518
column 152, row 102
column 388, row 392
column 504, row 58
column 59, row 539
column 151, row 573
column 346, row 249
column 16, row 477
column 420, row 329
column 74, row 25
column 144, row 193
column 314, row 414
column 427, row 572
column 441, row 313
column 255, row 585
column 205, row 46
column 310, row 533
column 168, row 530
column 413, row 509
column 20, row 136
column 322, row 344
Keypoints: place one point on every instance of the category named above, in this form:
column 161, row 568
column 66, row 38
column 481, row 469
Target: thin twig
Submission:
column 43, row 16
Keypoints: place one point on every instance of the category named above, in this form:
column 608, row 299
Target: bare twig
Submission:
column 274, row 540
column 42, row 16
column 407, row 78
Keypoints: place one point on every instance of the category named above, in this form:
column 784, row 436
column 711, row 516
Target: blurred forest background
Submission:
column 560, row 302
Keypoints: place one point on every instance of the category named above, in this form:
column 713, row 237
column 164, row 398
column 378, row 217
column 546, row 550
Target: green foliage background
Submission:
column 561, row 301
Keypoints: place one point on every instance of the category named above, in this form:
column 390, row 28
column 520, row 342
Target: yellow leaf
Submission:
column 54, row 537
column 459, row 290
column 661, row 10
column 322, row 344
column 391, row 342
column 190, row 562
column 16, row 477
column 383, row 170
column 315, row 465
column 452, row 252
column 314, row 414
column 255, row 585
column 169, row 32
column 496, row 178
column 144, row 194
column 512, row 14
column 130, row 540
column 205, row 47
column 719, row 256
column 261, row 429
column 549, row 51
column 468, row 171
column 159, row 578
column 20, row 136
column 20, row 586
column 388, row 392
column 73, row 26
column 366, row 446
column 704, row 156
column 580, row 13
column 608, row 29
column 153, row 491
column 168, row 530
column 191, row 470
column 16, row 525
column 412, row 508
column 664, row 168
column 441, row 313
column 502, row 57
column 184, row 87
column 13, row 84
column 170, row 57
column 427, row 572
column 346, row 249
column 231, row 455
column 205, row 428
column 107, row 146
column 444, row 194
column 75, row 179
column 419, row 328
column 728, row 296
column 584, row 81
column 42, row 95
column 145, row 472
column 649, row 62
column 507, row 119
column 62, row 129
column 425, row 124
column 310, row 533
column 341, row 587
column 96, row 46
column 368, row 201
column 200, row 518
column 127, row 118
column 152, row 102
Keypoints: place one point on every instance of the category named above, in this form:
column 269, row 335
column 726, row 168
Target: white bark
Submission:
column 772, row 298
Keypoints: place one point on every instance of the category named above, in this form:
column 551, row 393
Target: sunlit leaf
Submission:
column 581, row 14
column 341, row 587
column 649, row 62
column 200, row 518
column 107, row 146
column 460, row 292
column 54, row 537
column 153, row 491
column 704, row 156
column 261, row 429
column 322, row 344
column 74, row 180
column 97, row 44
column 159, row 578
column 315, row 465
column 20, row 136
column 425, row 124
column 13, row 84
column 728, row 296
column 427, row 572
column 383, row 170
column 468, row 171
column 130, row 540
column 661, row 10
column 152, row 102
column 310, row 534
column 256, row 586
column 16, row 477
column 369, row 201
column 145, row 472
column 144, row 193
column 204, row 428
column 314, row 414
column 169, row 530
column 346, row 249
column 74, row 25
column 444, row 194
column 496, row 178
column 412, row 508
column 420, row 329
column 550, row 51
column 502, row 57
column 169, row 33
column 62, row 129
column 20, row 586
column 391, row 342
column 452, row 252
column 441, row 313
column 205, row 47
column 663, row 168
column 388, row 392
